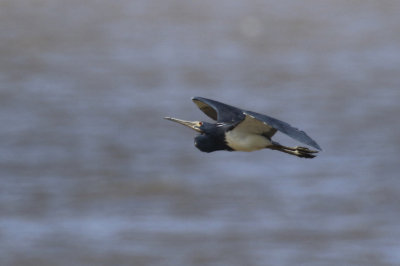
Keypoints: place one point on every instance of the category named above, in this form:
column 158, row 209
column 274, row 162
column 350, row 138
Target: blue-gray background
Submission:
column 92, row 175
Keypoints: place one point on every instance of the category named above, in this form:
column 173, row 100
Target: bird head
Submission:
column 211, row 137
column 198, row 126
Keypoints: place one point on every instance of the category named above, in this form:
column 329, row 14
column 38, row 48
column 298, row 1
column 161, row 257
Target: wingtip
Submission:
column 317, row 147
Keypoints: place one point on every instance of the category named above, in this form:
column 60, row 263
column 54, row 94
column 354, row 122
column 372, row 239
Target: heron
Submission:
column 240, row 130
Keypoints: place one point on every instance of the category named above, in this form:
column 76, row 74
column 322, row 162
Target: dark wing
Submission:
column 284, row 128
column 218, row 111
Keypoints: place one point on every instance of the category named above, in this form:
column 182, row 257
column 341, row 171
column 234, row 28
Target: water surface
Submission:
column 92, row 175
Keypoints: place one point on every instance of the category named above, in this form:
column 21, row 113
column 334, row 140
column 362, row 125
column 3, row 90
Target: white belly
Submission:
column 240, row 141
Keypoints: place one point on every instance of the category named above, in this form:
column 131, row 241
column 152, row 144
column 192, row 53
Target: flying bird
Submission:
column 240, row 130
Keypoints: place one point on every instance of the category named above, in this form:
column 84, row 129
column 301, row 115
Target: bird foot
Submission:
column 304, row 152
column 304, row 149
column 301, row 152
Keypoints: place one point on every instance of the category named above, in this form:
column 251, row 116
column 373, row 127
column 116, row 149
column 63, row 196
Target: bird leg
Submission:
column 301, row 152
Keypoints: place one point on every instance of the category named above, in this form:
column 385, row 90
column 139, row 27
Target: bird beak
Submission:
column 195, row 125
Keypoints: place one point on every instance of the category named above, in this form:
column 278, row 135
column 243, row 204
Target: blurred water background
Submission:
column 92, row 175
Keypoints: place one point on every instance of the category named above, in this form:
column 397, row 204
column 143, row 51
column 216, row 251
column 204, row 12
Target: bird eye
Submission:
column 200, row 123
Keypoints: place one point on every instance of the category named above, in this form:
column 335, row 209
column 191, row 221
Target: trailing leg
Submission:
column 301, row 152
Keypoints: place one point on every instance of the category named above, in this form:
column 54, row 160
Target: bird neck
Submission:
column 211, row 142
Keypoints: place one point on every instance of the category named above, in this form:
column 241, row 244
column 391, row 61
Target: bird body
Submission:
column 240, row 140
column 241, row 130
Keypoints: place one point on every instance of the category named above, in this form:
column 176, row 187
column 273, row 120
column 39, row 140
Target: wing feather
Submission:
column 285, row 128
column 252, row 125
column 218, row 111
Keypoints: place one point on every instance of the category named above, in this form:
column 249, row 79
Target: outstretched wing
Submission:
column 285, row 128
column 218, row 111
